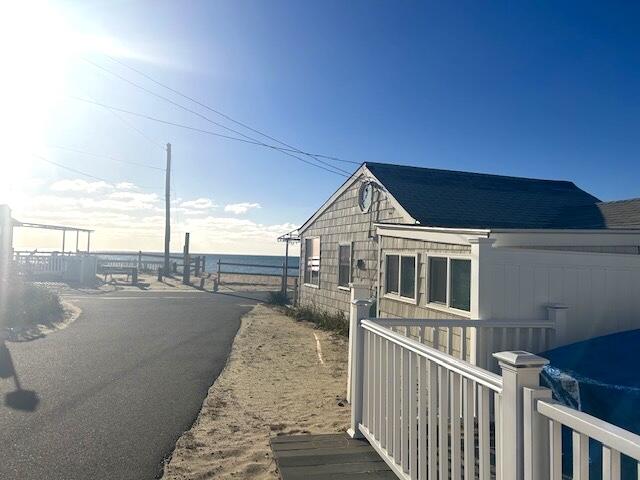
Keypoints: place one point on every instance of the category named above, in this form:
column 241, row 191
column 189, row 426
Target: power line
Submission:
column 108, row 157
column 208, row 132
column 80, row 172
column 204, row 117
column 224, row 115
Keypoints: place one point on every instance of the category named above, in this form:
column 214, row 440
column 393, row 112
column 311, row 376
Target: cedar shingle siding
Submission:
column 343, row 222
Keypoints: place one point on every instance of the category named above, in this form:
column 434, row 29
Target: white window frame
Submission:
column 397, row 296
column 312, row 285
column 346, row 288
column 427, row 276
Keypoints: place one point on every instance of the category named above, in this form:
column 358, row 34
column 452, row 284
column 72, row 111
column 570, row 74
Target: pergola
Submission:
column 291, row 237
column 63, row 229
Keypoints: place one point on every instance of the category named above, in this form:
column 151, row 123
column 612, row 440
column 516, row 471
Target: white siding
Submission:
column 602, row 291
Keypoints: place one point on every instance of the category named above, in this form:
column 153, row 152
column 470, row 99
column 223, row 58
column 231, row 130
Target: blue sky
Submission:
column 539, row 89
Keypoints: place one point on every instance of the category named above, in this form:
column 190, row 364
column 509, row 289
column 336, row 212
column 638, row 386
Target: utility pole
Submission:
column 167, row 213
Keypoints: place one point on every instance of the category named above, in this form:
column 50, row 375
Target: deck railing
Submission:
column 36, row 264
column 459, row 337
column 431, row 415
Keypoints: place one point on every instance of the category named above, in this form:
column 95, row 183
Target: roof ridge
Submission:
column 494, row 175
column 624, row 200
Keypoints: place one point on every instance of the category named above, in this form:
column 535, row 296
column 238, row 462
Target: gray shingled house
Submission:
column 428, row 243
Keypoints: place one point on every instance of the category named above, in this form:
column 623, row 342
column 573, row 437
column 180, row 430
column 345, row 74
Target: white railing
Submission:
column 477, row 340
column 544, row 443
column 41, row 263
column 415, row 393
column 430, row 415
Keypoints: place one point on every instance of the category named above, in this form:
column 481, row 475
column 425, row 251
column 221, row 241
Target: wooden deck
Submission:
column 328, row 456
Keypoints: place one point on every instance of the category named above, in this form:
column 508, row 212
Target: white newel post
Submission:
column 358, row 292
column 519, row 369
column 359, row 311
column 557, row 313
column 536, row 435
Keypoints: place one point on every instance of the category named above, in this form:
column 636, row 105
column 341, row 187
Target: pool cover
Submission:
column 600, row 377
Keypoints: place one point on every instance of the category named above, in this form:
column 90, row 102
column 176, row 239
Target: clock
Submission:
column 365, row 197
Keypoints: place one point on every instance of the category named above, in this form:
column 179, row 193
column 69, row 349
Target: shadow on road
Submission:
column 25, row 400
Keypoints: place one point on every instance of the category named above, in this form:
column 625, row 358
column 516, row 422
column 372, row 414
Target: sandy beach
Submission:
column 277, row 381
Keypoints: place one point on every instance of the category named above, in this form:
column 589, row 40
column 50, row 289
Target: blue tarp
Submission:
column 600, row 377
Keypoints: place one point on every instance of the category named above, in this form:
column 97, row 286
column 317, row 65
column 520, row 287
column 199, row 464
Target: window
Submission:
column 400, row 276
column 392, row 274
column 450, row 282
column 344, row 265
column 460, row 284
column 312, row 261
column 408, row 277
column 438, row 280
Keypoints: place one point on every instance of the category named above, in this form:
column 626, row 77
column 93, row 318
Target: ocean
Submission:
column 245, row 263
column 211, row 263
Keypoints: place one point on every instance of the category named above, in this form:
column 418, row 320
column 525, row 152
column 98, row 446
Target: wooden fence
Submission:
column 431, row 415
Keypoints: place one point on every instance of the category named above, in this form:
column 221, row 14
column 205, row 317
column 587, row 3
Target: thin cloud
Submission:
column 199, row 204
column 79, row 185
column 240, row 208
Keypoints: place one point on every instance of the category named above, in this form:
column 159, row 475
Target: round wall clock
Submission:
column 365, row 197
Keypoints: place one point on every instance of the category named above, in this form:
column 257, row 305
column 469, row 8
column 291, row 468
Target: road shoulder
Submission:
column 274, row 383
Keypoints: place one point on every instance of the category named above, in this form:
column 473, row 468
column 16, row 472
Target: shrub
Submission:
column 335, row 322
column 278, row 298
column 28, row 304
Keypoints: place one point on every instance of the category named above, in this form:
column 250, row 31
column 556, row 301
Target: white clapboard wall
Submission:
column 601, row 291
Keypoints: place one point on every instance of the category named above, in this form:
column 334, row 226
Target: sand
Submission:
column 275, row 383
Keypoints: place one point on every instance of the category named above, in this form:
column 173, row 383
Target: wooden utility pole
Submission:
column 167, row 213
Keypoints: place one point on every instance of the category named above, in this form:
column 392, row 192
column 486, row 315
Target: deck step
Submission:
column 329, row 456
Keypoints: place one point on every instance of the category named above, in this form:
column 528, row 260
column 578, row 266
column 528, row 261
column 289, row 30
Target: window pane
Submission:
column 312, row 261
column 391, row 278
column 438, row 280
column 408, row 277
column 344, row 265
column 461, row 284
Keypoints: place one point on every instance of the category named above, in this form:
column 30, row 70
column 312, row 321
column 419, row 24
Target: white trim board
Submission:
column 362, row 173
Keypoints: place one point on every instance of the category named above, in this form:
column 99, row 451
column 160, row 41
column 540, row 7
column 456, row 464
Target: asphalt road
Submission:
column 117, row 387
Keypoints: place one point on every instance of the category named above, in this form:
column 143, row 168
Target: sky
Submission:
column 536, row 89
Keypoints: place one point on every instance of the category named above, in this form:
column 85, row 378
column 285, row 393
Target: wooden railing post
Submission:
column 359, row 311
column 557, row 313
column 519, row 369
column 358, row 292
column 536, row 435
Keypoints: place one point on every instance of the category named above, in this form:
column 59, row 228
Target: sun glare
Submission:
column 39, row 47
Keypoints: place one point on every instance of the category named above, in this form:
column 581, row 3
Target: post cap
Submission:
column 361, row 302
column 520, row 358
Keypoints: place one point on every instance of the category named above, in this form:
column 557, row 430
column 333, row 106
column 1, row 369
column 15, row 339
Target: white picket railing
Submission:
column 41, row 263
column 458, row 337
column 543, row 442
column 431, row 415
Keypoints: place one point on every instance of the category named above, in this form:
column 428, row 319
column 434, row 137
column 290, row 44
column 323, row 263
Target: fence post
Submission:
column 219, row 272
column 519, row 369
column 196, row 271
column 139, row 260
column 284, row 278
column 358, row 292
column 359, row 311
column 557, row 313
column 536, row 435
column 186, row 262
column 204, row 264
column 295, row 291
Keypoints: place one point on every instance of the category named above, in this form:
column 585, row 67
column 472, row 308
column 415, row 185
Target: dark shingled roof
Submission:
column 443, row 198
column 620, row 214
